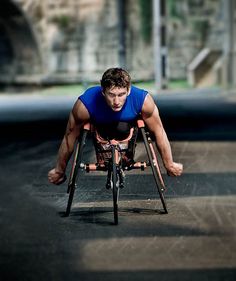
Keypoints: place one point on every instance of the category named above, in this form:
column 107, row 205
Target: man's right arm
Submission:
column 78, row 117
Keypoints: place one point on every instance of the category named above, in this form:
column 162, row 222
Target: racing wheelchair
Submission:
column 115, row 157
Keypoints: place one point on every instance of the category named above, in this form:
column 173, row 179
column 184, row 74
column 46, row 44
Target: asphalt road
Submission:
column 195, row 241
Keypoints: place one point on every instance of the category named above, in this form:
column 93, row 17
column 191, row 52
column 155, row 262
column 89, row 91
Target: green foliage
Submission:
column 172, row 85
column 78, row 89
column 146, row 19
column 172, row 9
column 64, row 90
column 178, row 84
column 201, row 28
column 63, row 21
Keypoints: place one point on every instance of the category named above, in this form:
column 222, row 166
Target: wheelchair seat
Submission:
column 126, row 146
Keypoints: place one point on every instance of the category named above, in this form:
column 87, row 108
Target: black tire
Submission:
column 75, row 172
column 115, row 188
column 70, row 200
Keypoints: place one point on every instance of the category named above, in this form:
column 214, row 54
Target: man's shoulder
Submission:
column 138, row 94
column 91, row 95
column 93, row 90
column 92, row 99
column 137, row 90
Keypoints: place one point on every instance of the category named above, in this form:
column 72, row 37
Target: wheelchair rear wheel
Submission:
column 75, row 171
column 157, row 176
column 155, row 167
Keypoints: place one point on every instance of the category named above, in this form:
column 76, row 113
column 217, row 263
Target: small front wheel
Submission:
column 115, row 186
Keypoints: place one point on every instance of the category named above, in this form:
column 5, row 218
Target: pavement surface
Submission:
column 196, row 240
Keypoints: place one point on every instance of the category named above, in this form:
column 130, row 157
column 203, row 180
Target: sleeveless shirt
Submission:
column 101, row 113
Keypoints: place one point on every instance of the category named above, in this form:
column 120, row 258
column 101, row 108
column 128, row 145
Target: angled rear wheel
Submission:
column 75, row 170
column 155, row 167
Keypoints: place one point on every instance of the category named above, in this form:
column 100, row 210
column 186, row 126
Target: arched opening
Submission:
column 19, row 53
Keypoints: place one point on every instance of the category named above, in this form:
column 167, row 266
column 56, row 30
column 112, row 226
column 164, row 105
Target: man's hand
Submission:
column 175, row 169
column 56, row 177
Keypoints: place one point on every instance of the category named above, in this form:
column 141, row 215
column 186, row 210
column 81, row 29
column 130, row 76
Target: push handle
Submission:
column 87, row 126
column 140, row 123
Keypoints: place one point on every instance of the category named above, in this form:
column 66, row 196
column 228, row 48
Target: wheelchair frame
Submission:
column 114, row 164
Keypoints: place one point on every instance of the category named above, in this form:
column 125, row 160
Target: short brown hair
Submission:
column 115, row 77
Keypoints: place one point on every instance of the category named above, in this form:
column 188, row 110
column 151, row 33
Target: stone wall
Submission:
column 192, row 25
column 78, row 39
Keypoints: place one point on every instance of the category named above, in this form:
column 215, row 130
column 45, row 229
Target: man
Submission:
column 112, row 107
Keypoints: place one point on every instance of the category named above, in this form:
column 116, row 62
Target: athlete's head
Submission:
column 115, row 77
column 116, row 84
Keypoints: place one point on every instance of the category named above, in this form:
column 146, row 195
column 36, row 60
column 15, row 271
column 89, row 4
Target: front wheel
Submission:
column 115, row 187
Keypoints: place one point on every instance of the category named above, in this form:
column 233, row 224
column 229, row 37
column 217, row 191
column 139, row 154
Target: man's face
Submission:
column 116, row 97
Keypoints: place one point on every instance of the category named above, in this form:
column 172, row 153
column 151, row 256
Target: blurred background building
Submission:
column 70, row 41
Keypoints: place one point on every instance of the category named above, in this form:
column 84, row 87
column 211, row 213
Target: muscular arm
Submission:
column 152, row 119
column 78, row 117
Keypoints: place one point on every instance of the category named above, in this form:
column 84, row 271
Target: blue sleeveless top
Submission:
column 101, row 113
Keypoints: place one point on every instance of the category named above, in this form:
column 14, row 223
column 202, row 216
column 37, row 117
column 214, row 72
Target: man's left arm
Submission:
column 151, row 117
